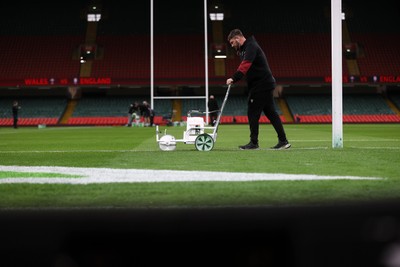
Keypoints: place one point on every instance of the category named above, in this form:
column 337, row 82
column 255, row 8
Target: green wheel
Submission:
column 204, row 142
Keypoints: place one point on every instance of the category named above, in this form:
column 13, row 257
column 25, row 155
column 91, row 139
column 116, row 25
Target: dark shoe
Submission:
column 282, row 145
column 250, row 145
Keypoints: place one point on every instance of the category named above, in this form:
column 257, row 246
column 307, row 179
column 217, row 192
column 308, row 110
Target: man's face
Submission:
column 235, row 43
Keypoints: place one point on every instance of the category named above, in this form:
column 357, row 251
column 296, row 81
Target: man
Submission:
column 152, row 115
column 15, row 109
column 213, row 109
column 133, row 114
column 145, row 112
column 260, row 83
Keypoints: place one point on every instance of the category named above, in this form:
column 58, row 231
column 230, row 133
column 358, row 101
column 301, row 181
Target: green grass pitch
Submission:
column 370, row 150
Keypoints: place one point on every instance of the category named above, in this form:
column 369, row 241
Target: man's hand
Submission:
column 229, row 81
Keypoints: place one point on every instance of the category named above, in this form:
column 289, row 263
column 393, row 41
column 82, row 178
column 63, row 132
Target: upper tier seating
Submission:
column 381, row 54
column 39, row 57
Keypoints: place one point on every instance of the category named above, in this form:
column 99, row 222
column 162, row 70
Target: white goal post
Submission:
column 205, row 97
column 337, row 72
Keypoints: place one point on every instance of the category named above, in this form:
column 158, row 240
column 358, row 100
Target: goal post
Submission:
column 205, row 96
column 337, row 72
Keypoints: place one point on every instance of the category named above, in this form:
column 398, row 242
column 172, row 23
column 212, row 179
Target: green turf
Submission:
column 370, row 150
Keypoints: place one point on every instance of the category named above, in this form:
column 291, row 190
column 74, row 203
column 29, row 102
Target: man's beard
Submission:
column 237, row 48
column 238, row 51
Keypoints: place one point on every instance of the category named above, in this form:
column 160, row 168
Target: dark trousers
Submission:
column 263, row 102
column 213, row 118
column 15, row 122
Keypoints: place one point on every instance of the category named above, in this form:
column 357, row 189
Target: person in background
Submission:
column 145, row 112
column 15, row 110
column 297, row 118
column 132, row 113
column 152, row 115
column 260, row 84
column 213, row 109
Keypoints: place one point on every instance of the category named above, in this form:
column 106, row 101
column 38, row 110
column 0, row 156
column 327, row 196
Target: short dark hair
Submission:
column 233, row 33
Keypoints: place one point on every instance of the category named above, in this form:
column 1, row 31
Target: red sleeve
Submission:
column 244, row 66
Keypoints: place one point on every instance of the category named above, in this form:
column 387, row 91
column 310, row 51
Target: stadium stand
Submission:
column 38, row 57
column 34, row 111
column 113, row 110
column 396, row 99
column 380, row 53
column 101, row 110
column 356, row 108
column 37, row 41
column 125, row 57
column 99, row 106
column 298, row 55
column 310, row 104
column 365, row 104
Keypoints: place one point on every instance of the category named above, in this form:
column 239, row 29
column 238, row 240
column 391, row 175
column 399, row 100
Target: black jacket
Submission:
column 212, row 105
column 255, row 67
column 133, row 108
column 15, row 109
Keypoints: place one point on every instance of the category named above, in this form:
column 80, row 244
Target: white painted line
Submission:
column 108, row 175
column 375, row 147
column 69, row 151
column 301, row 148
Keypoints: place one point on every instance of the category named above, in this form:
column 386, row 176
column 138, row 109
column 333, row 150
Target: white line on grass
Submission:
column 376, row 147
column 347, row 140
column 303, row 148
column 70, row 151
column 108, row 175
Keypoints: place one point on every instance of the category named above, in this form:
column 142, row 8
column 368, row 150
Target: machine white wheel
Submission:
column 167, row 143
column 204, row 142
